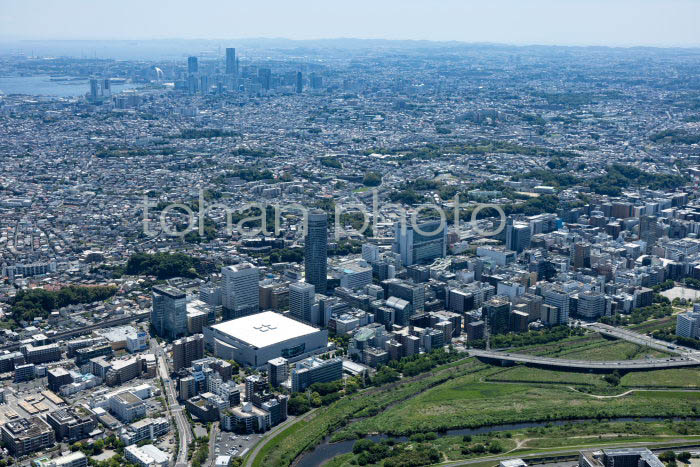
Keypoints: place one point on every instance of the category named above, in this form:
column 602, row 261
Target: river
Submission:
column 327, row 450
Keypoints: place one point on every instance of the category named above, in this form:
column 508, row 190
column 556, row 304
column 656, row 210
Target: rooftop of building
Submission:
column 264, row 329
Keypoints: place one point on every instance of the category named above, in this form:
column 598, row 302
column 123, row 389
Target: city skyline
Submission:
column 235, row 252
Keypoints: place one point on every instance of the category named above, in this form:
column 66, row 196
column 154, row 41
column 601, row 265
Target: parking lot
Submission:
column 231, row 444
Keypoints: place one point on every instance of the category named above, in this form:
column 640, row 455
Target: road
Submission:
column 642, row 339
column 271, row 434
column 212, row 442
column 183, row 426
column 677, row 361
column 657, row 448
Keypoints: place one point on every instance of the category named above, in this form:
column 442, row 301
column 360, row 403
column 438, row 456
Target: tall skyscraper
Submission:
column 417, row 248
column 107, row 87
column 240, row 295
column 299, row 83
column 93, row 89
column 316, row 81
column 192, row 65
column 231, row 68
column 316, row 251
column 169, row 313
column 264, row 76
column 301, row 300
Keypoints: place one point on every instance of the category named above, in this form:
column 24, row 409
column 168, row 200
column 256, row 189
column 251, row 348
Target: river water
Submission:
column 327, row 451
column 44, row 86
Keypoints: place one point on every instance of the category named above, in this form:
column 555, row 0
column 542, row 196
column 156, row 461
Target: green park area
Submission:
column 417, row 415
column 524, row 441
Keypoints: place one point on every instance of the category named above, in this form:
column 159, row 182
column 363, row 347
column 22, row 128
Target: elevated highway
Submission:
column 585, row 365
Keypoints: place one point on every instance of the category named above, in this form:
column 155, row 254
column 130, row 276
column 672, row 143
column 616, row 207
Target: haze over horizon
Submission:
column 546, row 22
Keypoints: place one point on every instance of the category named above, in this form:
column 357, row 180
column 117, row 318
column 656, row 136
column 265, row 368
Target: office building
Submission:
column 277, row 371
column 10, row 360
column 147, row 428
column 497, row 313
column 550, row 315
column 619, row 457
column 265, row 78
column 240, row 295
column 26, row 372
column 192, row 65
column 402, row 310
column 475, row 330
column 169, row 313
column 370, row 252
column 256, row 339
column 41, row 353
column 314, row 370
column 299, row 83
column 27, row 435
column 58, row 377
column 591, row 305
column 72, row 423
column 355, row 274
column 301, row 301
column 146, row 456
column 316, row 251
column 123, row 370
column 420, row 247
column 581, row 255
column 650, row 231
column 87, row 353
column 74, row 459
column 186, row 350
column 518, row 321
column 231, row 62
column 517, row 236
column 406, row 290
column 126, row 406
column 460, row 301
column 248, row 418
column 688, row 325
column 556, row 296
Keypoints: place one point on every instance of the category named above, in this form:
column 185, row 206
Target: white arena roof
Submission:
column 264, row 329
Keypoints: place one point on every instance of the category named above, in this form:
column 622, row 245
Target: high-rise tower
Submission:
column 316, row 250
column 231, row 68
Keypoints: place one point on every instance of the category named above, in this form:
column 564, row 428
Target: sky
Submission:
column 548, row 22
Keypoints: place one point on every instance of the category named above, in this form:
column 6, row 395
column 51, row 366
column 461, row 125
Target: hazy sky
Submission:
column 566, row 22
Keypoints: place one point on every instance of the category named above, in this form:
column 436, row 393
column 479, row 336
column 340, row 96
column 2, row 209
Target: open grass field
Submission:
column 654, row 324
column 524, row 374
column 325, row 421
column 467, row 401
column 573, row 342
column 282, row 438
column 612, row 350
column 675, row 377
column 468, row 393
column 591, row 346
column 688, row 378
